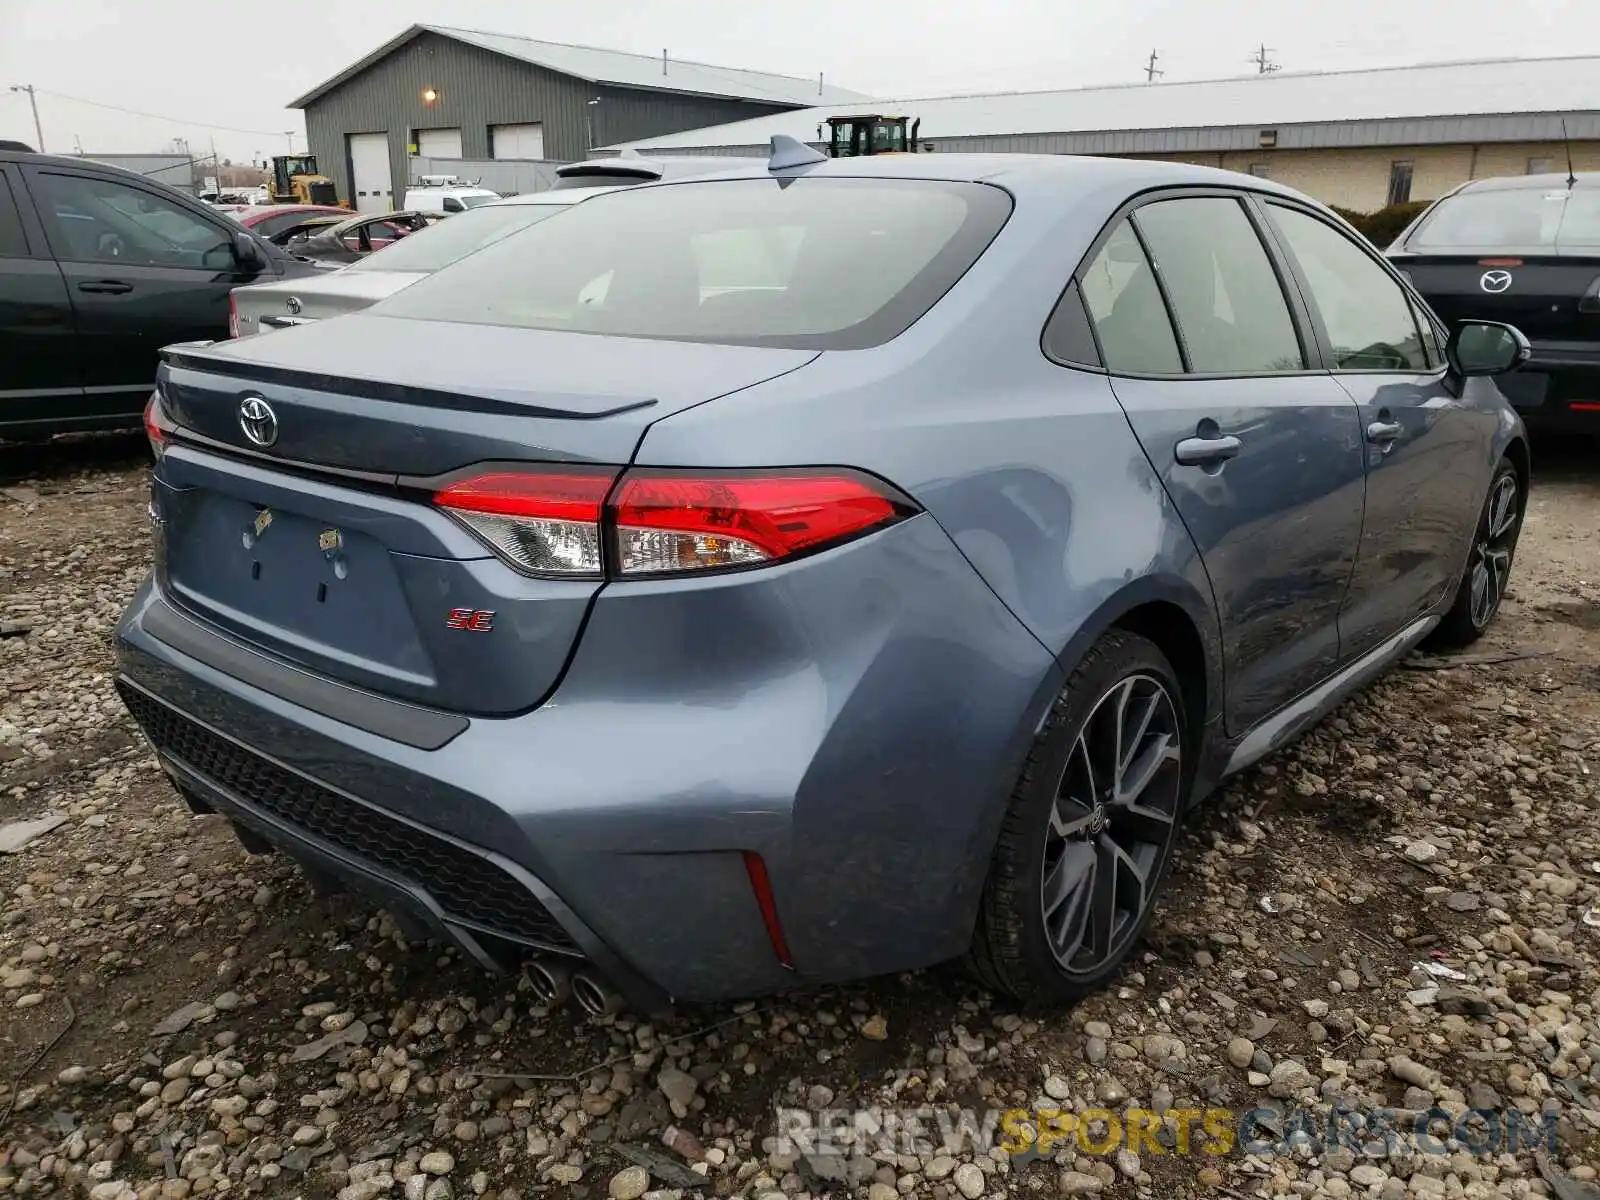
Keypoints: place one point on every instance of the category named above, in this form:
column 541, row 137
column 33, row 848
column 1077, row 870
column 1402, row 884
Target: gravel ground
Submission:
column 1390, row 914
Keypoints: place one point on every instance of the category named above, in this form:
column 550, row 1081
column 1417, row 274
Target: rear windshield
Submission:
column 805, row 263
column 442, row 244
column 478, row 199
column 1545, row 218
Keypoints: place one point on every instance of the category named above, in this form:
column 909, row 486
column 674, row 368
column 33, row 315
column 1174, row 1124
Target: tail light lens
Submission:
column 545, row 524
column 660, row 522
column 156, row 426
column 233, row 316
column 673, row 521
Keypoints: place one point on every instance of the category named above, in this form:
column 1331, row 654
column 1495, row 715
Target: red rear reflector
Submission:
column 676, row 521
column 545, row 524
column 756, row 867
column 1584, row 406
column 1499, row 262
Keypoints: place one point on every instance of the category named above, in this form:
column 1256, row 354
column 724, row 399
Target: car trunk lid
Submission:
column 264, row 307
column 1540, row 294
column 323, row 548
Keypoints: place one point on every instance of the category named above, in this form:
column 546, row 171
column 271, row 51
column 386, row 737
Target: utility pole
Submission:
column 33, row 101
column 1150, row 72
column 1264, row 65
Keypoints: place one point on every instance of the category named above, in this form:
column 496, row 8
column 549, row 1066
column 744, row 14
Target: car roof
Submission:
column 1019, row 173
column 357, row 219
column 451, row 189
column 558, row 196
column 1553, row 181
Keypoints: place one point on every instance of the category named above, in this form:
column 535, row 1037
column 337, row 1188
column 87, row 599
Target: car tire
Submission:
column 1488, row 571
column 1079, row 809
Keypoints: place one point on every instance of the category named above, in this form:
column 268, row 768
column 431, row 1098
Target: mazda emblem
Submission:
column 259, row 422
column 1495, row 281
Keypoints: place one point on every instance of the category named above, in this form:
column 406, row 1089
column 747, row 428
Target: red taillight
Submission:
column 1499, row 262
column 233, row 316
column 677, row 521
column 555, row 521
column 546, row 523
column 155, row 425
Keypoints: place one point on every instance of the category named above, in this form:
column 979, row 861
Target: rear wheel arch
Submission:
column 1517, row 451
column 1174, row 633
column 1169, row 612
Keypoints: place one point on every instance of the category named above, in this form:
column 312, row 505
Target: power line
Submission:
column 134, row 112
column 1150, row 72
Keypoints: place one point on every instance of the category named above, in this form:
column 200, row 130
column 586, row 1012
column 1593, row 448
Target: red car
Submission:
column 270, row 219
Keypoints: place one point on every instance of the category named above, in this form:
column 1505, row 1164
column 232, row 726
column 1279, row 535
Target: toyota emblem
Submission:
column 259, row 422
column 293, row 305
column 1495, row 281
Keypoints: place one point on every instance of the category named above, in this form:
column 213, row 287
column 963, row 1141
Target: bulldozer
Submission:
column 870, row 133
column 295, row 180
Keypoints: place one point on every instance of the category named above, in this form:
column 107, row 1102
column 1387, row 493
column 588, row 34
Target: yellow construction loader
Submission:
column 870, row 133
column 295, row 180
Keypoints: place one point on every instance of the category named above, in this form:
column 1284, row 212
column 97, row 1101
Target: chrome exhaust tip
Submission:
column 595, row 996
column 551, row 983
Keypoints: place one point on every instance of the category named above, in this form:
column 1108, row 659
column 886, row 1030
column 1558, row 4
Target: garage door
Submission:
column 517, row 141
column 369, row 172
column 439, row 143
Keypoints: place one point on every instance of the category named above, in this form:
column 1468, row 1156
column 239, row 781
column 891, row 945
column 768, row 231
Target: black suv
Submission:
column 1526, row 250
column 100, row 268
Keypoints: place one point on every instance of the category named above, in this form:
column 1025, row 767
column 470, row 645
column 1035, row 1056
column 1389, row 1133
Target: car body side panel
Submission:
column 1424, row 492
column 1278, row 527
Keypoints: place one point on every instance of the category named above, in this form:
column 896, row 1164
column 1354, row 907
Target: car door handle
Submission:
column 105, row 287
column 1384, row 432
column 1203, row 451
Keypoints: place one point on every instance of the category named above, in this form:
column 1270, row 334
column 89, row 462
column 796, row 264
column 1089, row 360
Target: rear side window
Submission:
column 1120, row 292
column 1367, row 314
column 1225, row 296
column 1068, row 338
column 12, row 243
column 826, row 264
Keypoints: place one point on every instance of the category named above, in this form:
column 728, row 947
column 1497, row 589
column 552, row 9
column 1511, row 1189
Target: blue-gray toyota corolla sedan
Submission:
column 813, row 572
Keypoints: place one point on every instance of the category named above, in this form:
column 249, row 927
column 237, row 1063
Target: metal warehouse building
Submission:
column 442, row 93
column 1359, row 139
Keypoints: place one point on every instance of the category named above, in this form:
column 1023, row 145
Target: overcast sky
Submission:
column 199, row 67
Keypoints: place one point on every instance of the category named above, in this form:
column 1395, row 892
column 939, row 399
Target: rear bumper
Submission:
column 1558, row 389
column 857, row 719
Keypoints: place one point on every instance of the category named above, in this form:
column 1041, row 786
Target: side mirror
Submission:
column 247, row 253
column 1486, row 348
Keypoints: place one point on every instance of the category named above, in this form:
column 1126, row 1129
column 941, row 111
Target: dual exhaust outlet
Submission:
column 554, row 983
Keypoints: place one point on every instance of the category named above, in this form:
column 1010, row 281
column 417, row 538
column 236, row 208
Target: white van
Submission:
column 442, row 201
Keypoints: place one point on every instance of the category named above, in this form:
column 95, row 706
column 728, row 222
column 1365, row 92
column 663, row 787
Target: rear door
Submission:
column 143, row 270
column 40, row 378
column 1427, row 453
column 1259, row 449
